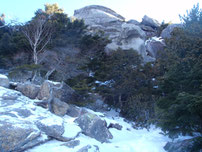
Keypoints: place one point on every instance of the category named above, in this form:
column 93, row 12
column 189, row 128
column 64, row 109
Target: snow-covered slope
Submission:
column 13, row 105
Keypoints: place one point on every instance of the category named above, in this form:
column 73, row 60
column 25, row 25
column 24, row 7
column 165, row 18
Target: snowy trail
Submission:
column 126, row 140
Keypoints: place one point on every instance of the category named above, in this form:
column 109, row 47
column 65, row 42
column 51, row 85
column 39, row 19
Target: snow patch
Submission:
column 3, row 76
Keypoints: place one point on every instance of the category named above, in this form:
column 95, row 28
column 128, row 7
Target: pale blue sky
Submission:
column 167, row 10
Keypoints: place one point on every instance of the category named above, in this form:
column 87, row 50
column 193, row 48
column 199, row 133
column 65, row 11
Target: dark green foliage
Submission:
column 12, row 41
column 179, row 109
column 93, row 45
column 67, row 31
column 125, row 83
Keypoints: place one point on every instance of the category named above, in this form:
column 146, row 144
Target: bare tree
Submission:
column 38, row 33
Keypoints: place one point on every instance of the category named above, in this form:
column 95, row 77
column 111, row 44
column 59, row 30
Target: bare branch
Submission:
column 38, row 33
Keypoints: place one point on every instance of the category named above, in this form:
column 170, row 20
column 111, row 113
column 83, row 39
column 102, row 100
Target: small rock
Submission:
column 97, row 149
column 116, row 126
column 43, row 104
column 72, row 144
column 84, row 149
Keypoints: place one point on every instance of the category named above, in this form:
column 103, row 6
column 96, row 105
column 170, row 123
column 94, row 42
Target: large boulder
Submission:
column 58, row 90
column 154, row 45
column 59, row 108
column 4, row 82
column 150, row 22
column 166, row 33
column 28, row 89
column 94, row 127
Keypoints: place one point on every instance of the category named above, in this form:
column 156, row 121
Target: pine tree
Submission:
column 179, row 109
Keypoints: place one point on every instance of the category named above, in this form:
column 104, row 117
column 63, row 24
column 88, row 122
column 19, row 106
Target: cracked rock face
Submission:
column 124, row 35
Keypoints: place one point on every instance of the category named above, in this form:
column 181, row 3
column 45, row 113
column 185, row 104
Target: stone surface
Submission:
column 73, row 111
column 28, row 89
column 133, row 22
column 97, row 14
column 150, row 22
column 94, row 127
column 4, row 82
column 59, row 108
column 15, row 136
column 166, row 33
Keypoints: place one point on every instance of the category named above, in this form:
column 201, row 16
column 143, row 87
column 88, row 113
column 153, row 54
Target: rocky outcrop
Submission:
column 124, row 35
column 97, row 14
column 4, row 82
column 94, row 127
column 166, row 33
